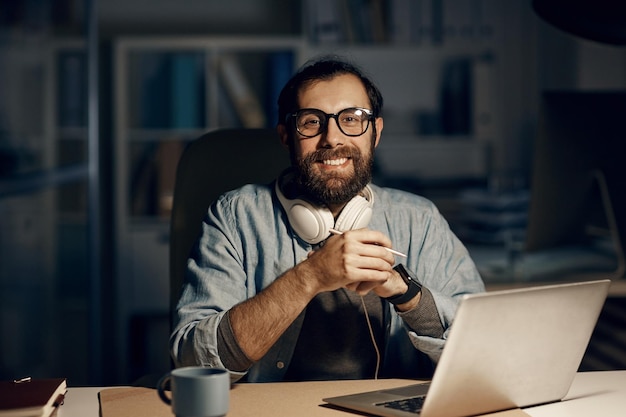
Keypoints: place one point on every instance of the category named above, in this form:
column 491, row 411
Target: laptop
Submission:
column 506, row 349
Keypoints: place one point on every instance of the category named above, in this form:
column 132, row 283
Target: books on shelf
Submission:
column 31, row 397
column 434, row 22
column 280, row 69
column 483, row 98
column 171, row 87
column 168, row 155
column 491, row 216
column 456, row 97
column 152, row 180
column 349, row 21
column 325, row 23
column 72, row 94
column 186, row 83
column 154, row 95
column 241, row 93
column 191, row 89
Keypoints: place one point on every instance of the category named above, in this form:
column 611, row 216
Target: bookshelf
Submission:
column 455, row 78
column 43, row 250
column 436, row 63
column 169, row 91
column 429, row 56
column 67, row 124
column 67, row 135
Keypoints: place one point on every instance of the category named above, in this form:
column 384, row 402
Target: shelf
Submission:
column 152, row 135
column 220, row 43
column 27, row 183
column 432, row 160
column 72, row 133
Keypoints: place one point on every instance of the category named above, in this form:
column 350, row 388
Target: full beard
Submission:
column 331, row 187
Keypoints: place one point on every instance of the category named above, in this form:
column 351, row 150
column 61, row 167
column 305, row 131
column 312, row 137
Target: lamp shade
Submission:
column 597, row 20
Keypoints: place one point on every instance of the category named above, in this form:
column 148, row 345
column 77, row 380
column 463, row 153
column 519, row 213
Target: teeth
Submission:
column 335, row 161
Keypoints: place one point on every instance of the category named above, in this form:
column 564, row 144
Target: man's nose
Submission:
column 333, row 135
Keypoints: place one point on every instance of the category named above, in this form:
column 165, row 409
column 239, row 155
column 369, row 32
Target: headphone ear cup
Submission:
column 355, row 215
column 311, row 223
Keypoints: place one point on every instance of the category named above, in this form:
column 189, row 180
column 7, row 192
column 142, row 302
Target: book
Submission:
column 279, row 71
column 31, row 397
column 167, row 157
column 72, row 96
column 324, row 21
column 243, row 97
column 155, row 95
column 456, row 97
column 185, row 106
column 400, row 21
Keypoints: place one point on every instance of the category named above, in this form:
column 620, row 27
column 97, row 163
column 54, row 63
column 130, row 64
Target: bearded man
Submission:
column 297, row 280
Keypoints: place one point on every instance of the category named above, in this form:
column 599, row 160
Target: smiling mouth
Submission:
column 335, row 162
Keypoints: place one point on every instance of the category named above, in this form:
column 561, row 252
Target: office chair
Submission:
column 217, row 162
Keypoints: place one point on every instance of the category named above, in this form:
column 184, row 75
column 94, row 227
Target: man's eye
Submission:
column 311, row 122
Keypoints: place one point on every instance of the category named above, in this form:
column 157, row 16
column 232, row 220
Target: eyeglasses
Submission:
column 352, row 121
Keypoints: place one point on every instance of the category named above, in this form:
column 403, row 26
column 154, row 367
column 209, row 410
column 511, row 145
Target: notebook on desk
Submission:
column 506, row 349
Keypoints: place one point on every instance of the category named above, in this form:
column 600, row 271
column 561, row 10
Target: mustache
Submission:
column 322, row 154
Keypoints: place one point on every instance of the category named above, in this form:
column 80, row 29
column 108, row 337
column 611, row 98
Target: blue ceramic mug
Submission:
column 196, row 391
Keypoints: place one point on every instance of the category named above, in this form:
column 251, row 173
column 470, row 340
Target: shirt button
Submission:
column 280, row 364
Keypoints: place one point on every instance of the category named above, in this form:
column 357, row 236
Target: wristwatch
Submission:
column 414, row 287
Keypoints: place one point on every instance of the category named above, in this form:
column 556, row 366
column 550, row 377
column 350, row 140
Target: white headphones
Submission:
column 312, row 223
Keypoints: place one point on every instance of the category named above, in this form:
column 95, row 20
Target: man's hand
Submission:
column 356, row 260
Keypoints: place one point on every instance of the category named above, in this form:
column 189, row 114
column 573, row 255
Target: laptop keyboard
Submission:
column 410, row 405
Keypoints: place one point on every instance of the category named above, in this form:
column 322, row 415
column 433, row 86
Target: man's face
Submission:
column 333, row 167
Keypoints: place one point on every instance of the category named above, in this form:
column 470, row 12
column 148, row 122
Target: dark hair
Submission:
column 324, row 69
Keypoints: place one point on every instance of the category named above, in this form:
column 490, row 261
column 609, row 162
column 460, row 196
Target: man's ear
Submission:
column 379, row 129
column 284, row 135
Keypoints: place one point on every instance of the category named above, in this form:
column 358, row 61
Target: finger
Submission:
column 370, row 236
column 363, row 288
column 368, row 243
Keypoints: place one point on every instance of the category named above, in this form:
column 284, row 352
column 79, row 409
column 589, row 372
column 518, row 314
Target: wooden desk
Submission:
column 591, row 394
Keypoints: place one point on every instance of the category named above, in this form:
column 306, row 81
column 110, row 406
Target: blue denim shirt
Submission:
column 246, row 243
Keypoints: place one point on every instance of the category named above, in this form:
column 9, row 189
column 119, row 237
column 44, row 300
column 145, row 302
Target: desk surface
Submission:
column 591, row 394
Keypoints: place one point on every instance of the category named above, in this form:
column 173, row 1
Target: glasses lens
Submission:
column 353, row 122
column 310, row 122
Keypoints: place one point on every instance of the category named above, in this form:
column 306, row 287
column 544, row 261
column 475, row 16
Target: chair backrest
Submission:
column 218, row 161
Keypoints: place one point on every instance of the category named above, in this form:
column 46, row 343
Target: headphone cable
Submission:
column 369, row 326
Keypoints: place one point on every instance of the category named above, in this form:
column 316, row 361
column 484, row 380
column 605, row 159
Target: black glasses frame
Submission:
column 324, row 125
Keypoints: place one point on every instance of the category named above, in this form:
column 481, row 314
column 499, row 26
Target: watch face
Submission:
column 413, row 287
column 403, row 273
column 406, row 277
